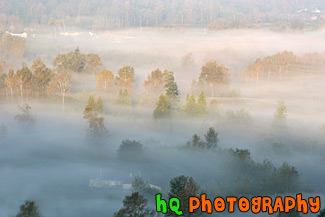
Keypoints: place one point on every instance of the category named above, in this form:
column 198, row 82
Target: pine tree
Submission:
column 170, row 84
column 211, row 138
column 183, row 187
column 99, row 106
column 162, row 109
column 28, row 209
column 124, row 98
column 135, row 205
column 202, row 104
column 190, row 107
column 91, row 102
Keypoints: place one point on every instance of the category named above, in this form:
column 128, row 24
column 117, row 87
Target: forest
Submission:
column 158, row 97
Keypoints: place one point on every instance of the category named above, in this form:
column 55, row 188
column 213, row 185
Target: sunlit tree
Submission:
column 105, row 80
column 162, row 109
column 125, row 78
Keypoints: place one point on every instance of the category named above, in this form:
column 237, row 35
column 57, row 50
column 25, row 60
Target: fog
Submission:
column 52, row 161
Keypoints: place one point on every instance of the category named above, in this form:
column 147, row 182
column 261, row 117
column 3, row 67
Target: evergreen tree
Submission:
column 135, row 205
column 202, row 104
column 190, row 108
column 183, row 187
column 196, row 142
column 162, row 109
column 170, row 84
column 28, row 209
column 99, row 106
column 124, row 98
column 211, row 138
column 91, row 102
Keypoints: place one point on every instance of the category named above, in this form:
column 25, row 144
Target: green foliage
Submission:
column 135, row 205
column 130, row 150
column 193, row 108
column 170, row 85
column 280, row 117
column 125, row 78
column 96, row 106
column 287, row 178
column 162, row 109
column 211, row 140
column 144, row 188
column 183, row 187
column 77, row 62
column 41, row 77
column 28, row 209
column 124, row 98
column 96, row 128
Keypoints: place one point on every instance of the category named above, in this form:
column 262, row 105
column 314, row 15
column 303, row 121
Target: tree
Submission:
column 280, row 117
column 212, row 73
column 125, row 78
column 196, row 142
column 135, row 205
column 240, row 117
column 96, row 127
column 162, row 109
column 187, row 61
column 41, row 76
column 191, row 107
column 130, row 150
column 93, row 63
column 170, row 84
column 124, row 98
column 25, row 118
column 63, row 84
column 23, row 77
column 91, row 102
column 105, row 80
column 10, row 83
column 287, row 178
column 321, row 213
column 155, row 81
column 202, row 104
column 99, row 106
column 28, row 209
column 73, row 61
column 211, row 138
column 183, row 187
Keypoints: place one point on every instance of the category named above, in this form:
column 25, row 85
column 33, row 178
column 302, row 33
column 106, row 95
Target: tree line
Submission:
column 99, row 15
